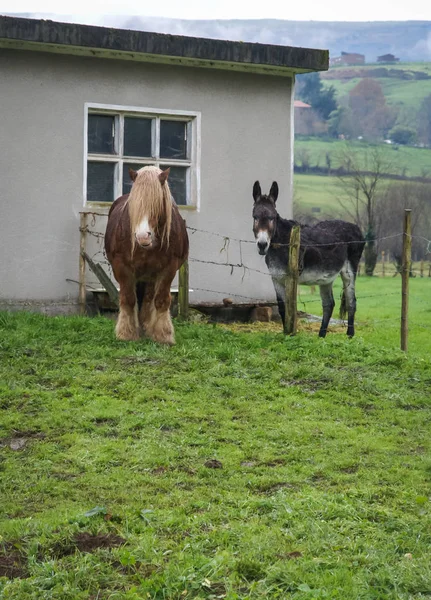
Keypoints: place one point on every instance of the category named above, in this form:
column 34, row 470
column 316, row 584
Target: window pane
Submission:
column 101, row 134
column 177, row 183
column 137, row 137
column 100, row 182
column 127, row 182
column 173, row 139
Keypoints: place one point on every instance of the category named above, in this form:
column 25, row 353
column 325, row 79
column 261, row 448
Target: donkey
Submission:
column 327, row 249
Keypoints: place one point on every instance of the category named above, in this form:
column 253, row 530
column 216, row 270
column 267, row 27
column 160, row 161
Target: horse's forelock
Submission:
column 149, row 199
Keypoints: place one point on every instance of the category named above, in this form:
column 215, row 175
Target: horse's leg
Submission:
column 280, row 292
column 349, row 298
column 160, row 328
column 327, row 305
column 127, row 327
column 146, row 312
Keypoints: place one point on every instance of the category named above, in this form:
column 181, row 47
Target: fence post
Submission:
column 422, row 267
column 183, row 291
column 383, row 263
column 292, row 281
column 82, row 234
column 405, row 274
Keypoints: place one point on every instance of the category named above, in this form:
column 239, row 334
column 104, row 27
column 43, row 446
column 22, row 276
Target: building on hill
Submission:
column 81, row 104
column 348, row 59
column 387, row 58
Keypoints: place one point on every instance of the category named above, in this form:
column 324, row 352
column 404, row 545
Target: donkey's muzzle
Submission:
column 262, row 247
column 144, row 241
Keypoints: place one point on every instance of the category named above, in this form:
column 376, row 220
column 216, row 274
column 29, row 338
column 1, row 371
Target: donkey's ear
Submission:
column 257, row 192
column 164, row 176
column 133, row 174
column 273, row 192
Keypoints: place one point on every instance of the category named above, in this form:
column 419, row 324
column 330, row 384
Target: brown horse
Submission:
column 146, row 242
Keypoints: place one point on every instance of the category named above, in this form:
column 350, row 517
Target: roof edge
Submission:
column 102, row 42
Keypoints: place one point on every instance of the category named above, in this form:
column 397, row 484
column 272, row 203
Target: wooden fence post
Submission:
column 82, row 234
column 422, row 267
column 405, row 274
column 292, row 282
column 183, row 291
column 383, row 263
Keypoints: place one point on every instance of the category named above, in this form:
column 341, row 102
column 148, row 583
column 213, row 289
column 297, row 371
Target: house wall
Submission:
column 246, row 135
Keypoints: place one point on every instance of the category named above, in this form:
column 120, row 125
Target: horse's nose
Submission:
column 144, row 238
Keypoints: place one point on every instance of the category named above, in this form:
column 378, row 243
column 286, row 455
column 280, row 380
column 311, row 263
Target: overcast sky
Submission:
column 317, row 10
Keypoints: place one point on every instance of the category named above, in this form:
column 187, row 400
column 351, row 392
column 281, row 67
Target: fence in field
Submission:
column 99, row 265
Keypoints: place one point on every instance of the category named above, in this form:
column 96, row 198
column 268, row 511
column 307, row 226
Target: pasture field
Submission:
column 407, row 160
column 239, row 464
column 317, row 191
column 405, row 94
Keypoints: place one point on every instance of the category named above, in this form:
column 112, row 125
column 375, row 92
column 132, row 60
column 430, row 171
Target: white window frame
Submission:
column 193, row 119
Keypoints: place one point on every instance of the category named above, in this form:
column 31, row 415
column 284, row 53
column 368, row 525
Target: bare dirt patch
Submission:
column 12, row 563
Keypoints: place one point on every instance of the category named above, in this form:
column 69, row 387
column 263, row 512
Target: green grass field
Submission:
column 407, row 160
column 239, row 464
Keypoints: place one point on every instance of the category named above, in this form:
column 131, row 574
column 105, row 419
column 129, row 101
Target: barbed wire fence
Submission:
column 94, row 255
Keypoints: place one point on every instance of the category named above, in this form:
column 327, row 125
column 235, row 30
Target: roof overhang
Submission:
column 142, row 46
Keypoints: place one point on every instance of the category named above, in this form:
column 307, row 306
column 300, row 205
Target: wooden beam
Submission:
column 291, row 320
column 104, row 279
column 405, row 274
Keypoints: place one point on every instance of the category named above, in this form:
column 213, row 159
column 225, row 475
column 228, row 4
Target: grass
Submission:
column 239, row 464
column 316, row 191
column 407, row 160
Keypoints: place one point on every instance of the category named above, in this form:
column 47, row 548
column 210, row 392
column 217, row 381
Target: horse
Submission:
column 327, row 249
column 146, row 242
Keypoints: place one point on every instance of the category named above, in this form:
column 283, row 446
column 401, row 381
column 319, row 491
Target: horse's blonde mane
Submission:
column 151, row 200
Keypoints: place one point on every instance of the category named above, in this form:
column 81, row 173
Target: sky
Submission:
column 313, row 10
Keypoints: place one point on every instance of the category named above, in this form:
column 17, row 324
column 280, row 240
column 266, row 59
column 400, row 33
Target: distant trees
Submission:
column 312, row 91
column 364, row 113
column 401, row 134
column 396, row 198
column 362, row 190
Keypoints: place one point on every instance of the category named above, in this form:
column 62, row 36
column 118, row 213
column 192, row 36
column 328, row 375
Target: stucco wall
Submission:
column 245, row 136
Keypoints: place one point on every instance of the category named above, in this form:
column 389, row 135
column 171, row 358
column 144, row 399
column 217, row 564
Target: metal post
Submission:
column 82, row 234
column 292, row 282
column 405, row 274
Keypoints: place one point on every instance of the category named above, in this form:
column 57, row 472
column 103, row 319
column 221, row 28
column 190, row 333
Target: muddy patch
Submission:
column 12, row 563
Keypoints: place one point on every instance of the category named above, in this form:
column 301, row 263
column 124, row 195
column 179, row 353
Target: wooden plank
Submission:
column 405, row 275
column 291, row 319
column 82, row 290
column 104, row 279
column 183, row 291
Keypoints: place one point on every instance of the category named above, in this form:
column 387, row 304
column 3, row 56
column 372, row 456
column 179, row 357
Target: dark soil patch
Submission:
column 87, row 542
column 12, row 563
column 213, row 464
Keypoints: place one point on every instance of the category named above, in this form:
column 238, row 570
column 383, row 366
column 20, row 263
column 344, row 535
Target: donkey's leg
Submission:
column 328, row 306
column 127, row 327
column 348, row 277
column 280, row 292
column 160, row 328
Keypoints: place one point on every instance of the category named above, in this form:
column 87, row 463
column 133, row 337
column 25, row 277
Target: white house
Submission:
column 80, row 104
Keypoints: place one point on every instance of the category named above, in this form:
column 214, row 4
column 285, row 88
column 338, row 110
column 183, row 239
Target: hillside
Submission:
column 409, row 40
column 405, row 85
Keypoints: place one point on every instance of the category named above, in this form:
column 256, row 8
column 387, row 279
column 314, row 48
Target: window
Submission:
column 119, row 138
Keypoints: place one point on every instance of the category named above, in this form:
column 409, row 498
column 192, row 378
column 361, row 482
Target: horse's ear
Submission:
column 164, row 176
column 133, row 174
column 257, row 192
column 273, row 192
